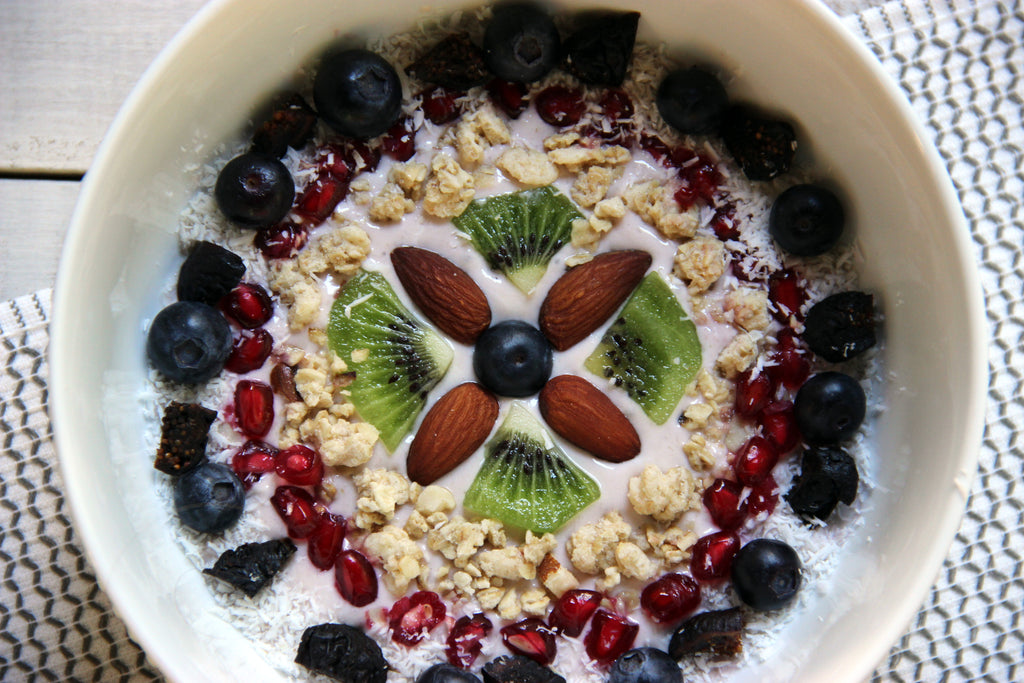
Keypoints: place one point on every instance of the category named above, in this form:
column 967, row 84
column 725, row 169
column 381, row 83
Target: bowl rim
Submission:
column 89, row 527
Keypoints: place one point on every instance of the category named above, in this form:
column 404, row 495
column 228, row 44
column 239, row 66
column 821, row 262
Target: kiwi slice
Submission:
column 526, row 481
column 406, row 358
column 519, row 232
column 651, row 350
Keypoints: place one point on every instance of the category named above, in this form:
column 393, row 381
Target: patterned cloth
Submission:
column 961, row 66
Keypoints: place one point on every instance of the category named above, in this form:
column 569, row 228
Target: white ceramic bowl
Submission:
column 789, row 54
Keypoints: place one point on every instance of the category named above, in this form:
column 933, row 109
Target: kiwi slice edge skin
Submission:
column 526, row 481
column 406, row 358
column 519, row 232
column 651, row 349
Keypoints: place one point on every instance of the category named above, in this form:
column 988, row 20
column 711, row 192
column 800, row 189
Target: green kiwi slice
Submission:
column 406, row 358
column 519, row 232
column 651, row 350
column 527, row 481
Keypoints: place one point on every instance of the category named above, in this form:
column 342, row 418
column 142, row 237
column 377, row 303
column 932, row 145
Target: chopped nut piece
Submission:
column 560, row 140
column 527, row 166
column 654, row 203
column 699, row 454
column 673, row 545
column 490, row 597
column 457, row 540
column 664, row 495
column 556, row 578
column 416, row 526
column 633, row 562
column 535, row 602
column 509, row 607
column 401, row 558
column 749, row 308
column 433, row 499
column 592, row 185
column 738, row 356
column 390, row 205
column 449, row 189
column 592, row 546
column 379, row 493
column 699, row 263
column 536, row 547
column 506, row 563
column 697, row 415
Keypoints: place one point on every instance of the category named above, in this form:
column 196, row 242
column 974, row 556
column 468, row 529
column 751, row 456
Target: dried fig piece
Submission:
column 764, row 147
column 251, row 566
column 717, row 632
column 841, row 326
column 342, row 652
column 827, row 476
column 291, row 124
column 183, row 434
column 454, row 63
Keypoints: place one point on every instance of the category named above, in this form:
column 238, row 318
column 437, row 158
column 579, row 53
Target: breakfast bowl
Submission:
column 909, row 244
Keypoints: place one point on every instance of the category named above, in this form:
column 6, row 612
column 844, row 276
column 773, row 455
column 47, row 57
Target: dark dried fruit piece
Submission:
column 454, row 63
column 209, row 272
column 841, row 326
column 764, row 147
column 342, row 652
column 518, row 669
column 183, row 434
column 251, row 566
column 291, row 124
column 601, row 48
column 717, row 632
column 828, row 476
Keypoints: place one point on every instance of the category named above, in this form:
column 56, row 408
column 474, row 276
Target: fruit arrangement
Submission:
column 701, row 323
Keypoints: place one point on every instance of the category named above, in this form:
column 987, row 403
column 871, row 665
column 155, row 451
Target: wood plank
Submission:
column 65, row 68
column 34, row 217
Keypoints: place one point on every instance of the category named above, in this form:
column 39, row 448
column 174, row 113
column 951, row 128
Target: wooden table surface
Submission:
column 65, row 68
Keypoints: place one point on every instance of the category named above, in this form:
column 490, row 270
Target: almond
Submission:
column 588, row 294
column 452, row 430
column 444, row 292
column 580, row 413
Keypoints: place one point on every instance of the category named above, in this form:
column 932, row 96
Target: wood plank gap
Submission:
column 67, row 176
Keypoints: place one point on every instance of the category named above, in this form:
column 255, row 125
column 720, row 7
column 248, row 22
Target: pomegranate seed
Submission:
column 249, row 351
column 253, row 460
column 439, row 105
column 254, row 407
column 615, row 104
column 712, row 555
column 724, row 222
column 726, row 504
column 531, row 638
column 572, row 610
column 789, row 365
column 320, row 197
column 297, row 509
column 699, row 175
column 755, row 460
column 300, row 465
column 324, row 544
column 336, row 161
column 560, row 106
column 763, row 497
column 283, row 240
column 670, row 598
column 361, row 157
column 610, row 636
column 656, row 147
column 248, row 304
column 753, row 393
column 355, row 578
column 510, row 97
column 778, row 423
column 786, row 294
column 414, row 615
column 399, row 142
column 464, row 639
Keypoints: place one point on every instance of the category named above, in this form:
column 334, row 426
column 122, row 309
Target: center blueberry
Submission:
column 513, row 359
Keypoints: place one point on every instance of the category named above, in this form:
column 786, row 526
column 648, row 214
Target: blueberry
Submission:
column 829, row 408
column 188, row 342
column 446, row 673
column 645, row 665
column 254, row 190
column 766, row 574
column 210, row 498
column 806, row 220
column 691, row 100
column 521, row 42
column 357, row 92
column 512, row 358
